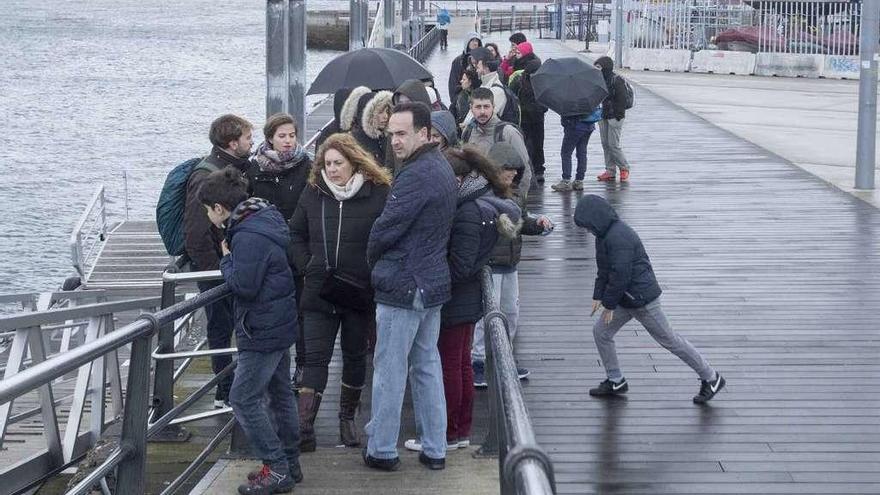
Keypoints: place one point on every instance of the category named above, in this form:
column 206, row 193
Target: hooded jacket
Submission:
column 614, row 105
column 338, row 100
column 459, row 64
column 521, row 85
column 414, row 90
column 259, row 278
column 444, row 122
column 625, row 276
column 484, row 137
column 348, row 222
column 476, row 229
column 201, row 238
column 408, row 243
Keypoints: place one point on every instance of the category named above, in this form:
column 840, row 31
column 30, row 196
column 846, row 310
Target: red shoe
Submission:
column 605, row 176
column 624, row 175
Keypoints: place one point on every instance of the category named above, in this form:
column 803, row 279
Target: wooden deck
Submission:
column 770, row 272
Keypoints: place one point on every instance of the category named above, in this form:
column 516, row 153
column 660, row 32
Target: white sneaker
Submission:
column 221, row 404
column 416, row 445
column 464, row 443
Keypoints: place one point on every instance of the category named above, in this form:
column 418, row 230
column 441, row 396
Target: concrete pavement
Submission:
column 809, row 122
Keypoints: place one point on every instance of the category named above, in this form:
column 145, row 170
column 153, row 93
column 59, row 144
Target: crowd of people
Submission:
column 380, row 239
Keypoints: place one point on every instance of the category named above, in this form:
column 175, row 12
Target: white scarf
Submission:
column 341, row 193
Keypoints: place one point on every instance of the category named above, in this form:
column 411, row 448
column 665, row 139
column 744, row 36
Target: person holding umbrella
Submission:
column 443, row 22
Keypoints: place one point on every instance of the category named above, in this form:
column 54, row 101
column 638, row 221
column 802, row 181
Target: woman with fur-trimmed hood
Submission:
column 365, row 116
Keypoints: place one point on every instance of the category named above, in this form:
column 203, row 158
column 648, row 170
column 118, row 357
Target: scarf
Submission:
column 272, row 161
column 342, row 193
column 245, row 209
column 471, row 183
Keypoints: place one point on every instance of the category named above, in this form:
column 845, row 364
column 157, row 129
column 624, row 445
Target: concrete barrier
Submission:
column 789, row 65
column 723, row 62
column 658, row 59
column 841, row 67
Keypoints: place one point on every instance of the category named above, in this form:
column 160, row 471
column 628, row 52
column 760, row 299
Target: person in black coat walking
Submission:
column 611, row 125
column 328, row 236
column 626, row 288
column 484, row 212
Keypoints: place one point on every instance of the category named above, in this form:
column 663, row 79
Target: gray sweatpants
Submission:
column 654, row 320
column 609, row 132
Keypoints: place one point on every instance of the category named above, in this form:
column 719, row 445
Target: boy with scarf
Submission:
column 254, row 266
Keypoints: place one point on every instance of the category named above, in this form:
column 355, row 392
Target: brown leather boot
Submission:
column 309, row 401
column 349, row 399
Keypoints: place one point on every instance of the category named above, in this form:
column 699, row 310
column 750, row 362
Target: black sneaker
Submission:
column 609, row 388
column 267, row 482
column 480, row 374
column 295, row 473
column 380, row 464
column 522, row 373
column 431, row 463
column 709, row 389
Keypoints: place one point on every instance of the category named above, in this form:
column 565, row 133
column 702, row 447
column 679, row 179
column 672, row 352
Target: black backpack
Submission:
column 511, row 111
column 629, row 95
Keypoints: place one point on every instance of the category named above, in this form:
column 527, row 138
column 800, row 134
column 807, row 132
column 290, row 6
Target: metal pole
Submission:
column 131, row 473
column 405, row 14
column 163, row 378
column 589, row 25
column 389, row 23
column 365, row 22
column 276, row 77
column 296, row 63
column 867, row 130
column 353, row 24
column 563, row 10
column 618, row 34
column 580, row 22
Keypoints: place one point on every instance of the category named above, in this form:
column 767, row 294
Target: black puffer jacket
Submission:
column 614, row 106
column 531, row 110
column 282, row 189
column 475, row 230
column 307, row 242
column 625, row 275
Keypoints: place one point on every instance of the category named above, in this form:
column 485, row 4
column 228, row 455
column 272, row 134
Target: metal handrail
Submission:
column 524, row 467
column 81, row 255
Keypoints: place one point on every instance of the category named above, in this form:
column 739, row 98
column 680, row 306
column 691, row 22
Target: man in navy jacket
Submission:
column 407, row 249
column 626, row 288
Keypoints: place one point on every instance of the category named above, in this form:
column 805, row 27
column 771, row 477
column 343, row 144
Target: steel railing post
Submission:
column 131, row 473
column 163, row 384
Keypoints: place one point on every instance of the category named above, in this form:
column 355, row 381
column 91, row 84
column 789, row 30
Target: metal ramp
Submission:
column 131, row 261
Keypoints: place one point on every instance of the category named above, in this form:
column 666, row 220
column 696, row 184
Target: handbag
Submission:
column 338, row 288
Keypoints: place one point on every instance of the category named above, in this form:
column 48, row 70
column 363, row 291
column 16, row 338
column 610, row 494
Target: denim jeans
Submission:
column 409, row 333
column 651, row 317
column 507, row 298
column 219, row 327
column 575, row 138
column 257, row 375
column 320, row 330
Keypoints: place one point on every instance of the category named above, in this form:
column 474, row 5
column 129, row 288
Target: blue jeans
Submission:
column 411, row 333
column 257, row 375
column 575, row 137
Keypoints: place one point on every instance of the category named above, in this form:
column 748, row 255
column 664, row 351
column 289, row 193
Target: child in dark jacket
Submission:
column 255, row 268
column 626, row 288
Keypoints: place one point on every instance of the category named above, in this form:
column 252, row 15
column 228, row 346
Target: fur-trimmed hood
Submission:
column 349, row 109
column 381, row 102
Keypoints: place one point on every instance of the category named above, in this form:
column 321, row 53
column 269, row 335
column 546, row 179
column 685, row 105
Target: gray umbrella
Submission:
column 375, row 68
column 569, row 86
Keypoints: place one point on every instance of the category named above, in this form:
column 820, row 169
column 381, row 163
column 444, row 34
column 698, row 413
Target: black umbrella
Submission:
column 375, row 68
column 569, row 86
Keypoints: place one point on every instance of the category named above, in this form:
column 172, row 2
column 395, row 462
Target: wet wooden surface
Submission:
column 768, row 271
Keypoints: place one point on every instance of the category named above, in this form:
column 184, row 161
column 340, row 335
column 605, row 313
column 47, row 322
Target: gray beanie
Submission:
column 505, row 155
column 444, row 122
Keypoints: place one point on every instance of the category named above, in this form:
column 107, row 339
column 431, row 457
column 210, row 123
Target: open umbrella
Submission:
column 569, row 86
column 375, row 68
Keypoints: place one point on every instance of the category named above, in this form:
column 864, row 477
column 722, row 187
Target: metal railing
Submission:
column 524, row 467
column 47, row 361
column 89, row 234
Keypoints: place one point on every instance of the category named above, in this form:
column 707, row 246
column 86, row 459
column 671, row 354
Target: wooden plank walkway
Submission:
column 770, row 272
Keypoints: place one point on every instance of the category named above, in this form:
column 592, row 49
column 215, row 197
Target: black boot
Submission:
column 309, row 402
column 349, row 399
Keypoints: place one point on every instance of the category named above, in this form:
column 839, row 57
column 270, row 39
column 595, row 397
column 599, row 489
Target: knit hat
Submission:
column 444, row 122
column 504, row 154
column 525, row 48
